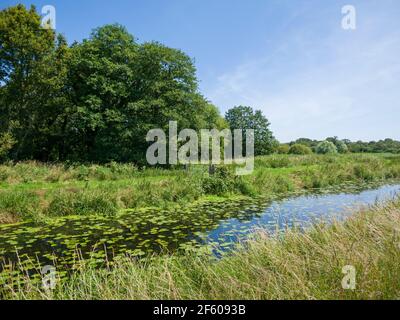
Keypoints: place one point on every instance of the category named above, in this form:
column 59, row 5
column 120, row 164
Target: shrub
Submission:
column 222, row 181
column 326, row 147
column 300, row 149
column 5, row 172
column 341, row 147
column 283, row 149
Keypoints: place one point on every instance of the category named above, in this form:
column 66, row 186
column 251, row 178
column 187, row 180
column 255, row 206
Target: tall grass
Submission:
column 33, row 190
column 295, row 266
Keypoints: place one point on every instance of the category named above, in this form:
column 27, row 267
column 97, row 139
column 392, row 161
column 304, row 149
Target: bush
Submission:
column 283, row 149
column 5, row 172
column 221, row 182
column 300, row 149
column 326, row 147
column 341, row 147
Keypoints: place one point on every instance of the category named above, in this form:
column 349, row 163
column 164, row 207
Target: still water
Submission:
column 303, row 210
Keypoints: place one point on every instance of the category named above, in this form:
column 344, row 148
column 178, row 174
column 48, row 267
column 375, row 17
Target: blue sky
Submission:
column 289, row 58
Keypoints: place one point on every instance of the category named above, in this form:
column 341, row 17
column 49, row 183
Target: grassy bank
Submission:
column 295, row 266
column 34, row 191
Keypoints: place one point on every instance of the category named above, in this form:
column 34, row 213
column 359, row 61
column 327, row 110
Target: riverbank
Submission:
column 38, row 192
column 296, row 266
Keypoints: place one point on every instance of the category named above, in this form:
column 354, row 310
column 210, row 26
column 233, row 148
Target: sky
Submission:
column 289, row 58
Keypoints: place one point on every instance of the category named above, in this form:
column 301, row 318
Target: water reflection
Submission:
column 302, row 211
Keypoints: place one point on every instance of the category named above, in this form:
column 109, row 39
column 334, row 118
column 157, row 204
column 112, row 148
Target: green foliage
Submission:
column 326, row 147
column 6, row 143
column 243, row 118
column 300, row 149
column 342, row 147
column 66, row 203
column 283, row 149
column 96, row 100
column 307, row 142
column 221, row 182
column 381, row 146
column 18, row 205
column 345, row 145
column 41, row 190
column 33, row 65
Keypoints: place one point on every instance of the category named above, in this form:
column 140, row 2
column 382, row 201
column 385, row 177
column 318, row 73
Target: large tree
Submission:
column 122, row 89
column 32, row 71
column 94, row 100
column 244, row 117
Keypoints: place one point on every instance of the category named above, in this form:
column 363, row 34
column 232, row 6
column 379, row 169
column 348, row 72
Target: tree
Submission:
column 307, row 142
column 30, row 80
column 326, row 147
column 122, row 89
column 243, row 117
column 341, row 146
column 300, row 149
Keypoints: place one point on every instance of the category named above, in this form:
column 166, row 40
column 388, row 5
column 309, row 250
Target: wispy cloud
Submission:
column 319, row 80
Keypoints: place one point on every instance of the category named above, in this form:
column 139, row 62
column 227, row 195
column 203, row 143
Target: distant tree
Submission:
column 243, row 117
column 300, row 149
column 346, row 145
column 341, row 146
column 326, row 147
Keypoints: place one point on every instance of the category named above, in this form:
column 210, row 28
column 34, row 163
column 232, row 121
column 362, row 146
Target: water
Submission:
column 218, row 225
column 302, row 211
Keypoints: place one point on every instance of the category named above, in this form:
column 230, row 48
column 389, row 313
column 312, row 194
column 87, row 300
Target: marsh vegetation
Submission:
column 94, row 216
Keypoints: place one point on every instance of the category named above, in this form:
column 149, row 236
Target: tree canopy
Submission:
column 94, row 100
column 244, row 117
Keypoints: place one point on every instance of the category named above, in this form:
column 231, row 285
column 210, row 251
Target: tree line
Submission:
column 336, row 145
column 96, row 100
